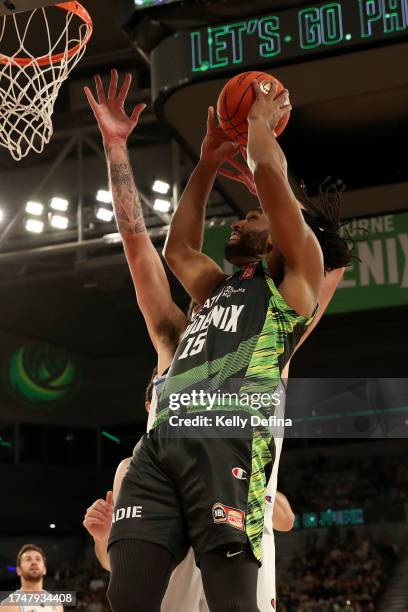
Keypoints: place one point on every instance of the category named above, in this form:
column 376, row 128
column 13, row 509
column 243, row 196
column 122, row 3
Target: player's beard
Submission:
column 251, row 246
column 33, row 575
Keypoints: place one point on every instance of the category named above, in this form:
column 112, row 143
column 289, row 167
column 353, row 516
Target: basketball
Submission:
column 236, row 99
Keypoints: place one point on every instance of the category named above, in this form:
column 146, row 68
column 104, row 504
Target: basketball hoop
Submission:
column 30, row 82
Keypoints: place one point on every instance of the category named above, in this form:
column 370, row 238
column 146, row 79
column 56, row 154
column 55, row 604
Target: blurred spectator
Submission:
column 348, row 576
column 329, row 482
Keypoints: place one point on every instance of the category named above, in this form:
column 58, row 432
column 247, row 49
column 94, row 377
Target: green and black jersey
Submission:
column 208, row 489
column 234, row 350
column 238, row 343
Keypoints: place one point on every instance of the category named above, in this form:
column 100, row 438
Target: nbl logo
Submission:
column 231, row 516
column 219, row 514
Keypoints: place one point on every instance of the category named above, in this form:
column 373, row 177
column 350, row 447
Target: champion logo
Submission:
column 239, row 473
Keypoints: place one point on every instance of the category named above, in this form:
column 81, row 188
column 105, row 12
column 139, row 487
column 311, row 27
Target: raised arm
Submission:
column 198, row 273
column 164, row 319
column 291, row 236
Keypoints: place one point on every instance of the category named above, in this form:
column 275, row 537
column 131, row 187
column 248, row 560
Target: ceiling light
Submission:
column 104, row 196
column 161, row 187
column 114, row 238
column 59, row 222
column 1, row 215
column 34, row 208
column 104, row 215
column 35, row 226
column 59, row 204
column 162, row 205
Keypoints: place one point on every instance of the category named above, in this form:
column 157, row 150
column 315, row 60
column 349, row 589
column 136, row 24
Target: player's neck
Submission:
column 31, row 585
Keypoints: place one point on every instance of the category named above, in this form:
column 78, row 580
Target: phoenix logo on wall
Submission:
column 42, row 375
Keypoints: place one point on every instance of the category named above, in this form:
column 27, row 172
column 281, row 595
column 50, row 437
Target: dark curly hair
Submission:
column 325, row 223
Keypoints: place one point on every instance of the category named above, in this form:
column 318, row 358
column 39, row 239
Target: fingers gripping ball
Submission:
column 236, row 99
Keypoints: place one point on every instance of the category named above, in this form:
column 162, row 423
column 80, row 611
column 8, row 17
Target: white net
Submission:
column 30, row 81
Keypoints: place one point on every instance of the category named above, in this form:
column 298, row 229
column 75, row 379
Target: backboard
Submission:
column 8, row 7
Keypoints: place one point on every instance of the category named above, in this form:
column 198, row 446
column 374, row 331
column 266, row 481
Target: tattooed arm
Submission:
column 164, row 319
column 126, row 203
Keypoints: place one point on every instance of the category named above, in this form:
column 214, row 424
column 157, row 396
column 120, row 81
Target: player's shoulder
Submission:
column 123, row 465
column 5, row 603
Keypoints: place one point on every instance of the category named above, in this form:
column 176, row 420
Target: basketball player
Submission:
column 165, row 321
column 215, row 507
column 98, row 517
column 185, row 591
column 144, row 263
column 31, row 567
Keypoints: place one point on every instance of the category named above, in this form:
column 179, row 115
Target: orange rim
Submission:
column 70, row 7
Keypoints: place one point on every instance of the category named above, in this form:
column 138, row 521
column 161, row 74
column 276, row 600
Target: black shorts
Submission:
column 205, row 492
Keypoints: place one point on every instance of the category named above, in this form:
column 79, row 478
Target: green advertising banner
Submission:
column 215, row 239
column 378, row 280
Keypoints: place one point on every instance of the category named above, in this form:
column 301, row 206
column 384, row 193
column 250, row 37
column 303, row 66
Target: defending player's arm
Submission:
column 98, row 517
column 283, row 518
column 327, row 289
column 291, row 236
column 163, row 318
column 97, row 522
column 198, row 273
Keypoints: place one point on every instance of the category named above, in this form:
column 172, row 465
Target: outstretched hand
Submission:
column 217, row 147
column 241, row 173
column 113, row 121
